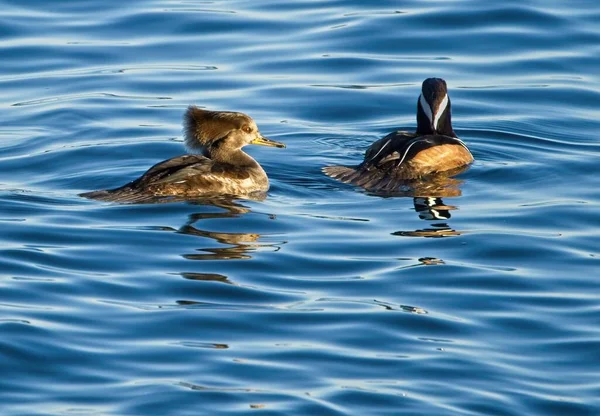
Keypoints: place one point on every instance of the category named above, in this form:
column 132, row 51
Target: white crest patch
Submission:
column 440, row 110
column 435, row 115
column 426, row 108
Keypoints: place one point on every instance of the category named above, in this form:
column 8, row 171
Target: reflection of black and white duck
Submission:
column 222, row 168
column 401, row 157
column 432, row 209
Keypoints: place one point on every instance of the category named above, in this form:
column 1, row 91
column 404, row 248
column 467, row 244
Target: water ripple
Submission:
column 84, row 96
column 320, row 298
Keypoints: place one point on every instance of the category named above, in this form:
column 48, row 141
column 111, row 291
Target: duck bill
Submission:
column 263, row 141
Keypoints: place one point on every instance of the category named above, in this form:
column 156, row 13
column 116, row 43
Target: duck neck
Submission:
column 237, row 157
column 444, row 124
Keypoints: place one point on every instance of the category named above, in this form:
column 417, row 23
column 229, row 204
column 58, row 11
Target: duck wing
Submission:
column 201, row 170
column 180, row 176
column 168, row 168
column 374, row 171
column 401, row 147
column 386, row 149
column 400, row 158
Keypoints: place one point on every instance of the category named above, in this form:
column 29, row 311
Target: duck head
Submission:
column 433, row 108
column 211, row 132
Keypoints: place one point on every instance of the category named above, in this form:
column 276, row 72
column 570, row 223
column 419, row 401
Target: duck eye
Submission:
column 247, row 129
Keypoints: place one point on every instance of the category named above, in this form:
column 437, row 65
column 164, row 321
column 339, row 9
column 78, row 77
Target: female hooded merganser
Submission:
column 401, row 157
column 222, row 168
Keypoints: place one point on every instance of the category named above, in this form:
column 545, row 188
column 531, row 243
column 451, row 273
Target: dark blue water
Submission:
column 320, row 299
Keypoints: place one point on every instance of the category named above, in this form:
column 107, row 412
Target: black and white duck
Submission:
column 402, row 157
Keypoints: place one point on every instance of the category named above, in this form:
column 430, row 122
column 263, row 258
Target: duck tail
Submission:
column 124, row 195
column 356, row 176
column 341, row 173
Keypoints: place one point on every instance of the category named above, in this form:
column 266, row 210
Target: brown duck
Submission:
column 220, row 168
column 402, row 158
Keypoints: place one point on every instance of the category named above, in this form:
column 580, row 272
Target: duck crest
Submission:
column 203, row 128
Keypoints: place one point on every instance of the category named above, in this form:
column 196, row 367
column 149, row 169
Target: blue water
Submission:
column 320, row 299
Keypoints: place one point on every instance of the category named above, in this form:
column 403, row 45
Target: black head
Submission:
column 433, row 108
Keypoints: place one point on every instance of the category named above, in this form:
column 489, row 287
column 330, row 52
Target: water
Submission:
column 321, row 299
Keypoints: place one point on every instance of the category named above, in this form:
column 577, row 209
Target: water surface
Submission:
column 321, row 299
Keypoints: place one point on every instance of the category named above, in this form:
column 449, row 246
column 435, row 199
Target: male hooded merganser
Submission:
column 402, row 157
column 222, row 168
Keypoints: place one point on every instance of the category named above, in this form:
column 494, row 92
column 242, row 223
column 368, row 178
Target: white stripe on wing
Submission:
column 380, row 150
column 406, row 152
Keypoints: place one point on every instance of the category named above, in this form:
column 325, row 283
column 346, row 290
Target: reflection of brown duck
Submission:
column 222, row 168
column 235, row 245
column 240, row 244
column 401, row 158
column 212, row 277
column 231, row 207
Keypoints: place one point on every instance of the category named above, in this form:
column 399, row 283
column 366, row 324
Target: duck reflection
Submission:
column 432, row 209
column 429, row 205
column 211, row 277
column 240, row 244
column 434, row 186
column 235, row 245
column 431, row 261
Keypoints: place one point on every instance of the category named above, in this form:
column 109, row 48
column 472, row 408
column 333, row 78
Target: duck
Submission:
column 402, row 158
column 218, row 166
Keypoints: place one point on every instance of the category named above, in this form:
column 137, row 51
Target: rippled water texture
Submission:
column 321, row 299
